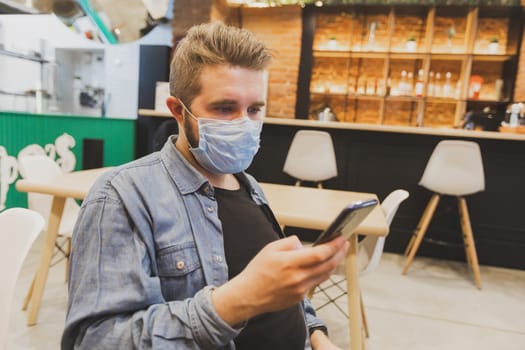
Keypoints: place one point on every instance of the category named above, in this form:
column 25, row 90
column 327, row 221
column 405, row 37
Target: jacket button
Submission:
column 210, row 209
column 180, row 265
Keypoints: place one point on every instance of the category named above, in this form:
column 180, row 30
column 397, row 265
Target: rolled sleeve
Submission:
column 312, row 321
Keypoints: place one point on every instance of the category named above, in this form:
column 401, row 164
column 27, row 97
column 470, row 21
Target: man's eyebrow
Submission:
column 234, row 102
column 223, row 102
column 259, row 104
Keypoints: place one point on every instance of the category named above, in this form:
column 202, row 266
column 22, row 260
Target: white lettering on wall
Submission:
column 60, row 152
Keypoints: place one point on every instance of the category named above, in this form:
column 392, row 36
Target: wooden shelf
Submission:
column 366, row 97
column 441, row 100
column 448, row 56
column 470, row 100
column 463, row 54
column 329, row 94
column 493, row 57
column 398, row 55
column 403, row 98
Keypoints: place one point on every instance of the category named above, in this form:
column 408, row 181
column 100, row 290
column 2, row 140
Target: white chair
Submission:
column 41, row 167
column 455, row 168
column 19, row 228
column 370, row 250
column 311, row 157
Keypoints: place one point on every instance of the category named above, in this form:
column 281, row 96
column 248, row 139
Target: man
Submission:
column 179, row 249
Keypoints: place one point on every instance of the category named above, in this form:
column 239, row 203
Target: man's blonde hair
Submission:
column 213, row 44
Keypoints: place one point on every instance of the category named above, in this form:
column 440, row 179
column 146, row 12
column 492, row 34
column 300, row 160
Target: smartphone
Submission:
column 347, row 221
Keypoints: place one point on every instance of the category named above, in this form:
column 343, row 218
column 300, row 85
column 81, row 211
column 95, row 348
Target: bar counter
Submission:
column 381, row 158
column 448, row 132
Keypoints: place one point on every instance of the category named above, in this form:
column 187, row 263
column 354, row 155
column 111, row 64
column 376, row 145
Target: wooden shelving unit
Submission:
column 359, row 52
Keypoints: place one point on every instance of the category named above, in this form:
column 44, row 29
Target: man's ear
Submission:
column 175, row 108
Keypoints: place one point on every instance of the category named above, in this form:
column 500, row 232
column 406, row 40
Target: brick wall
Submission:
column 281, row 29
column 187, row 13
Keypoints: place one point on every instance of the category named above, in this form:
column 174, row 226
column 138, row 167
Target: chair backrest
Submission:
column 311, row 156
column 41, row 168
column 19, row 228
column 373, row 246
column 454, row 168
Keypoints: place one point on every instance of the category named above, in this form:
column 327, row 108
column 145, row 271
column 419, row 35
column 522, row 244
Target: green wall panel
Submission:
column 18, row 130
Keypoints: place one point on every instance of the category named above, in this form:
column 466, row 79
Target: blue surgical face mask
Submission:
column 226, row 146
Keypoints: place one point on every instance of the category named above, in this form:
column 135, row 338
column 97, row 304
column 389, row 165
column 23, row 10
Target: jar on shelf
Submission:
column 475, row 86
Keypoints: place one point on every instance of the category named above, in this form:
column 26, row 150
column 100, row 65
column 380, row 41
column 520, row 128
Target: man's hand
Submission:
column 320, row 341
column 278, row 277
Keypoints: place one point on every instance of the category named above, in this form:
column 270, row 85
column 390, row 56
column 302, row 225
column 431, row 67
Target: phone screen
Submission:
column 347, row 220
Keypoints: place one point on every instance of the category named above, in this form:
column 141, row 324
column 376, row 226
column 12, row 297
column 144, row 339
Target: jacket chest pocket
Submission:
column 180, row 271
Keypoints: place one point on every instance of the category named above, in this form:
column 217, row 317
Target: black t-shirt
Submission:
column 247, row 229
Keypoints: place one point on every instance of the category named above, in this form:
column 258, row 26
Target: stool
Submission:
column 455, row 169
column 311, row 157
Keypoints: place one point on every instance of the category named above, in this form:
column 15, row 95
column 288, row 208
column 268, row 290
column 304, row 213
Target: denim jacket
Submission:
column 147, row 250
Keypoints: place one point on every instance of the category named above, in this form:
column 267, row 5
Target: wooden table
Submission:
column 305, row 207
column 70, row 185
column 315, row 208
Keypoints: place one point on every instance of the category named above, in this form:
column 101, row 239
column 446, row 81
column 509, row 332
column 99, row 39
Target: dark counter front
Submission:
column 380, row 162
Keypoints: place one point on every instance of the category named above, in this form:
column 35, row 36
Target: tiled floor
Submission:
column 435, row 306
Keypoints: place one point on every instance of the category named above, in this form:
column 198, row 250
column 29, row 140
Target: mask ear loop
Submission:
column 184, row 122
column 187, row 109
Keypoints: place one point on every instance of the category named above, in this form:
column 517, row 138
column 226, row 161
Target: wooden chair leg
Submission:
column 363, row 315
column 415, row 232
column 425, row 221
column 469, row 239
column 57, row 207
column 29, row 294
column 464, row 236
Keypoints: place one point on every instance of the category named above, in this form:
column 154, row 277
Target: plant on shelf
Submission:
column 332, row 43
column 411, row 44
column 493, row 44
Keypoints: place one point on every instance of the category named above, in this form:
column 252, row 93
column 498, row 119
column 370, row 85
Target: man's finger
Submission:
column 318, row 254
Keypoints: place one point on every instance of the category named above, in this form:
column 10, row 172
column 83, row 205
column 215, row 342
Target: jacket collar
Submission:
column 183, row 174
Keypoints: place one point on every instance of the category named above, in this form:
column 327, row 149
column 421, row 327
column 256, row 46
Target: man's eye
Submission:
column 254, row 110
column 224, row 109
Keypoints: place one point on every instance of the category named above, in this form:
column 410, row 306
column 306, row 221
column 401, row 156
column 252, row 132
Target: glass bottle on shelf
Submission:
column 447, row 86
column 457, row 93
column 430, row 86
column 361, row 86
column 371, row 87
column 437, row 85
column 380, row 88
column 420, row 84
column 402, row 86
column 410, row 84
